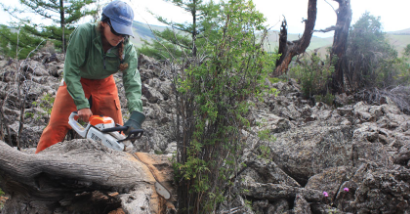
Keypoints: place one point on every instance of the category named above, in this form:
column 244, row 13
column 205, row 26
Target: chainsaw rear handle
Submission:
column 81, row 130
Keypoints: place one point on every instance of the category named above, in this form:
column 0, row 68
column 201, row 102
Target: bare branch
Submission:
column 331, row 6
column 331, row 28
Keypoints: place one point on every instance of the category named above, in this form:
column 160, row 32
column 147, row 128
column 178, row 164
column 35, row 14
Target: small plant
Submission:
column 333, row 210
column 265, row 152
column 327, row 99
column 47, row 103
column 265, row 135
column 313, row 75
column 2, row 199
column 29, row 115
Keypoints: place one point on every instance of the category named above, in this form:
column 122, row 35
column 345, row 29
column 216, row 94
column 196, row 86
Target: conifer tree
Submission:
column 64, row 13
column 181, row 39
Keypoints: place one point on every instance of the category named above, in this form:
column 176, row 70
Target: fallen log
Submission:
column 78, row 176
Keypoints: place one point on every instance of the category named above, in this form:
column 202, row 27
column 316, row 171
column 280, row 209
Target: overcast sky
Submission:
column 394, row 13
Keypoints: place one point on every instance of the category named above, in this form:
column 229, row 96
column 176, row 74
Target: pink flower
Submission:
column 346, row 189
column 325, row 194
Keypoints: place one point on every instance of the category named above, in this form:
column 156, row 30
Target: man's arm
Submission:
column 75, row 58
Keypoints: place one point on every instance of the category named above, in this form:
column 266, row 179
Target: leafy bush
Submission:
column 313, row 76
column 370, row 59
column 215, row 97
column 328, row 98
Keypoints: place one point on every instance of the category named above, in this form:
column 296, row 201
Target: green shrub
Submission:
column 313, row 76
column 370, row 61
column 328, row 98
column 215, row 98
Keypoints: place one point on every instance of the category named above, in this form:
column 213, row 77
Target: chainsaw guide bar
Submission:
column 104, row 130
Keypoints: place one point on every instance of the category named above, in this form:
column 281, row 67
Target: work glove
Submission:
column 135, row 121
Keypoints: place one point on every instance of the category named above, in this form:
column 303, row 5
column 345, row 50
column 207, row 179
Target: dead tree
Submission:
column 79, row 176
column 289, row 49
column 344, row 18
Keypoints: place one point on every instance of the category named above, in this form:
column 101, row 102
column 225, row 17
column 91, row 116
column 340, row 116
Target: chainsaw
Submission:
column 103, row 129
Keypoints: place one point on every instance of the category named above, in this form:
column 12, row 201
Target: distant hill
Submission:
column 400, row 32
column 272, row 41
column 143, row 31
column 398, row 39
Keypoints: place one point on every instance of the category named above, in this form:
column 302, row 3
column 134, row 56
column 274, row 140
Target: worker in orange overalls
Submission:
column 94, row 53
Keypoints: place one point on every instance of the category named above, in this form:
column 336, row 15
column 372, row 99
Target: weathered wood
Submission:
column 344, row 17
column 291, row 49
column 77, row 176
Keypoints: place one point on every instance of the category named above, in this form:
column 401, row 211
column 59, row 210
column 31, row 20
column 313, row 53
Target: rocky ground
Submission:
column 354, row 158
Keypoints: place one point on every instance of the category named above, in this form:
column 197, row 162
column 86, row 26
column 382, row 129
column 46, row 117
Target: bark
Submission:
column 193, row 12
column 79, row 176
column 291, row 49
column 344, row 18
column 62, row 23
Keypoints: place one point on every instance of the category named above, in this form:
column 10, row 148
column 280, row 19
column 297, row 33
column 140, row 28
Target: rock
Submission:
column 384, row 190
column 171, row 148
column 403, row 156
column 305, row 151
column 343, row 99
column 269, row 172
column 283, row 107
column 301, row 205
column 34, row 67
column 264, row 206
column 273, row 123
column 274, row 192
column 151, row 94
column 329, row 180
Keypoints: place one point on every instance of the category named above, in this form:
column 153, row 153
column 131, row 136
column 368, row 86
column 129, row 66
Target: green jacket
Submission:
column 85, row 58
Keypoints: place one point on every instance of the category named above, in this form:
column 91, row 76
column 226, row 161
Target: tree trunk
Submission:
column 291, row 49
column 62, row 23
column 194, row 49
column 79, row 176
column 344, row 17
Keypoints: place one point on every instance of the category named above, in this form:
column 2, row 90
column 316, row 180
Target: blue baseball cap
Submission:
column 121, row 17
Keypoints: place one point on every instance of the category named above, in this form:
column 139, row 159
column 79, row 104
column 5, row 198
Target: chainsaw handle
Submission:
column 132, row 135
column 115, row 129
column 135, row 134
column 81, row 130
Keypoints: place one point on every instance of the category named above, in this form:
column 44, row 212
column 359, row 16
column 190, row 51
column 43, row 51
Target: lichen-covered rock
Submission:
column 306, row 151
column 330, row 180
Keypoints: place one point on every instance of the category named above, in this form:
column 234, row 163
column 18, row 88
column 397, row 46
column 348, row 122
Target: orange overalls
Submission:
column 104, row 99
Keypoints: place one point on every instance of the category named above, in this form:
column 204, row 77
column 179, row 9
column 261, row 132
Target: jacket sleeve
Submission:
column 75, row 58
column 132, row 80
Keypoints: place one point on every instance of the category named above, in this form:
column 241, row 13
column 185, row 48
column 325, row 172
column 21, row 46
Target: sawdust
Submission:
column 117, row 211
column 3, row 200
column 149, row 162
column 157, row 202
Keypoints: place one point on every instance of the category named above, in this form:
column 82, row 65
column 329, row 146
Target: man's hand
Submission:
column 135, row 121
column 85, row 114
